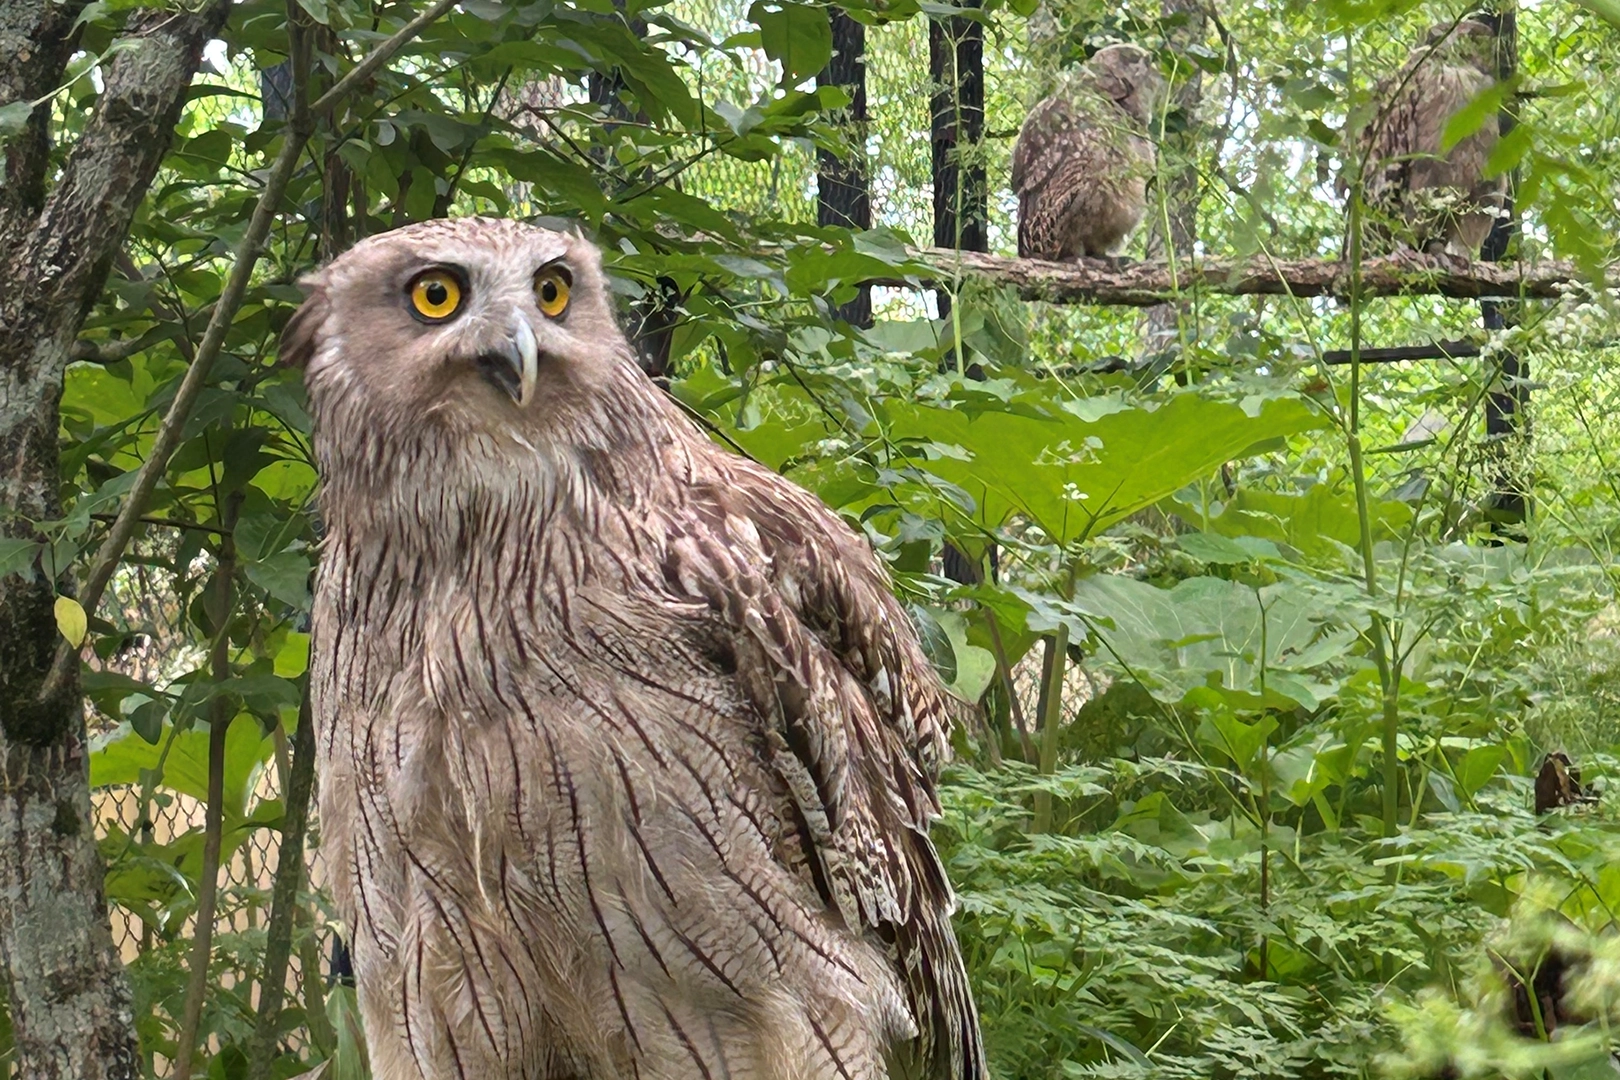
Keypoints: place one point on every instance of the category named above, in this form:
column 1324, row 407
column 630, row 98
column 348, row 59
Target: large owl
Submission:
column 1082, row 162
column 1420, row 195
column 627, row 753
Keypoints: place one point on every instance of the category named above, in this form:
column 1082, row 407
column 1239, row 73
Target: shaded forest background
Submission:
column 1272, row 649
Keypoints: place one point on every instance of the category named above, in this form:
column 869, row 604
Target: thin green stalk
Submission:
column 1388, row 672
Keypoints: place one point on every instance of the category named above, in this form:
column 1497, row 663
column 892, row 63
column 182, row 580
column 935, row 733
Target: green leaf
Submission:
column 1075, row 477
column 1218, row 550
column 70, row 620
column 1478, row 766
column 292, row 659
column 1471, row 117
column 1320, row 523
column 14, row 117
column 124, row 758
column 1257, row 646
column 1607, row 10
column 17, row 556
column 975, row 667
column 284, row 576
column 1242, row 742
column 797, row 36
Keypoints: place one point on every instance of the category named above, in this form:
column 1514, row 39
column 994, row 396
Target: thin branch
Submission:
column 221, row 712
column 107, row 352
column 378, row 57
column 224, row 314
column 284, row 900
column 1144, row 284
column 441, row 205
column 1438, row 350
column 168, row 523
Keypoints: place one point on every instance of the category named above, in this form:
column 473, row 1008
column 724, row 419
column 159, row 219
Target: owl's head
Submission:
column 1470, row 41
column 1129, row 75
column 470, row 324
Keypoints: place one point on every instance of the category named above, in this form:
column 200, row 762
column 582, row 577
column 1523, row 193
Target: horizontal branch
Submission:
column 1143, row 284
column 1439, row 350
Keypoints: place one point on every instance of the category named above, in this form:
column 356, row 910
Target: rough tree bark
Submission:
column 69, row 1002
column 1506, row 412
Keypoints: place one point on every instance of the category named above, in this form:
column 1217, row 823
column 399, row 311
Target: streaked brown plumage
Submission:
column 627, row 753
column 1082, row 161
column 1422, row 197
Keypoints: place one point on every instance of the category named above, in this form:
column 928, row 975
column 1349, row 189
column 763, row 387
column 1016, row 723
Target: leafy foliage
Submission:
column 1284, row 586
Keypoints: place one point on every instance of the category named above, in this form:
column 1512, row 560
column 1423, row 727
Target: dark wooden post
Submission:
column 1161, row 325
column 956, row 70
column 1505, row 422
column 652, row 317
column 961, row 208
column 843, row 193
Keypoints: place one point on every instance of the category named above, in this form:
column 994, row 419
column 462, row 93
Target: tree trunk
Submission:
column 843, row 195
column 1161, row 325
column 1506, row 422
column 652, row 316
column 956, row 69
column 961, row 199
column 69, row 1001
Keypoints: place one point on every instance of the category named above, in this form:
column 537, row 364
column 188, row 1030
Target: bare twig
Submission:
column 247, row 257
column 378, row 57
column 166, row 523
column 107, row 352
column 220, row 714
column 284, row 903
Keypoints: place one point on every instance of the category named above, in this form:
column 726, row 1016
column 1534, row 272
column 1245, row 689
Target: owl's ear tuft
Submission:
column 298, row 336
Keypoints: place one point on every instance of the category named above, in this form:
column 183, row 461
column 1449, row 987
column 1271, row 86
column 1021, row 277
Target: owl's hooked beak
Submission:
column 515, row 367
column 528, row 350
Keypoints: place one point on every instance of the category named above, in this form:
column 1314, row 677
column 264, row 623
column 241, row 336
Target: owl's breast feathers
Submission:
column 691, row 624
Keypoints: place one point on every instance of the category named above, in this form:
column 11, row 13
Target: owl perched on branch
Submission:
column 1082, row 162
column 1421, row 195
column 627, row 753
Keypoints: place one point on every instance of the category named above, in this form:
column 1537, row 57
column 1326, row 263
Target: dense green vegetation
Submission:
column 1267, row 672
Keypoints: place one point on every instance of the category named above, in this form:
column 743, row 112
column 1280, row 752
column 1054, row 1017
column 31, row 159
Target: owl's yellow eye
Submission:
column 435, row 295
column 551, row 291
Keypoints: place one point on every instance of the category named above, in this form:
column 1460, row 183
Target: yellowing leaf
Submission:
column 70, row 620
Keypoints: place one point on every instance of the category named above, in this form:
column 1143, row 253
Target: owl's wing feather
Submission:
column 856, row 724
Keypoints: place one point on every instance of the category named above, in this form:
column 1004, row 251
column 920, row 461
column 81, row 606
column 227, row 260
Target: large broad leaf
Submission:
column 123, row 756
column 798, row 36
column 1076, row 471
column 1260, row 646
column 1320, row 522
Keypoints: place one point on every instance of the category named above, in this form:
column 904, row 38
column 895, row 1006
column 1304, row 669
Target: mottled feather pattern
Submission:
column 1424, row 196
column 627, row 751
column 1082, row 162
